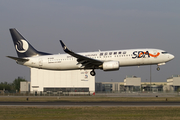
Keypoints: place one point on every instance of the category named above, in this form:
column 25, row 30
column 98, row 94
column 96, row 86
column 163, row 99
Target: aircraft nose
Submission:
column 171, row 56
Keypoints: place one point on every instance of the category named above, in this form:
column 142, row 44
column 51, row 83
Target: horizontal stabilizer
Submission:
column 18, row 59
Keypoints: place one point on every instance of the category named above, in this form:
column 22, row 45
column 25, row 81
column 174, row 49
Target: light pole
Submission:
column 150, row 77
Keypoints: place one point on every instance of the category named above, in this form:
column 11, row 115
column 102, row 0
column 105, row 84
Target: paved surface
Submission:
column 80, row 104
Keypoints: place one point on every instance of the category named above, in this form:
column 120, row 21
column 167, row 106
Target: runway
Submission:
column 89, row 104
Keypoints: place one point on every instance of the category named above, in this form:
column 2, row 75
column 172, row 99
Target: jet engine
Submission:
column 111, row 65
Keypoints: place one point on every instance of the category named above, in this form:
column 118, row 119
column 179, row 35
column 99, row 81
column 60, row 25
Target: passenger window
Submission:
column 115, row 53
column 110, row 53
column 119, row 52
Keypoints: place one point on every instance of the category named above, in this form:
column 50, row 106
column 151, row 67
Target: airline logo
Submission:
column 64, row 48
column 21, row 46
column 141, row 54
column 86, row 76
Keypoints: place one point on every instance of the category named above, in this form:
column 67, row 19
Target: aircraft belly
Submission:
column 130, row 62
column 61, row 66
column 137, row 61
column 69, row 66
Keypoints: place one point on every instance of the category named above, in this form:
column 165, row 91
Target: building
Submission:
column 25, row 87
column 81, row 82
column 108, row 86
column 132, row 83
column 153, row 86
column 173, row 83
column 61, row 82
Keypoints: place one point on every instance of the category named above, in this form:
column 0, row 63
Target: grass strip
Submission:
column 89, row 113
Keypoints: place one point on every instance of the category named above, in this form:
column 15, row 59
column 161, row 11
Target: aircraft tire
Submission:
column 93, row 73
column 158, row 68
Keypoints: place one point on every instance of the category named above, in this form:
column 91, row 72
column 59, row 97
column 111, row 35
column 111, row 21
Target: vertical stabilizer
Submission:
column 22, row 46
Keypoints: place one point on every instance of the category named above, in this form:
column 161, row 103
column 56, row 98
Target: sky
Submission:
column 92, row 25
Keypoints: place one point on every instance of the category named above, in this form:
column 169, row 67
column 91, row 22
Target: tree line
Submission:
column 15, row 86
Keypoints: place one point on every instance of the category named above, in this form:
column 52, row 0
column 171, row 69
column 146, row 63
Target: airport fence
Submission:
column 48, row 93
column 91, row 93
column 139, row 94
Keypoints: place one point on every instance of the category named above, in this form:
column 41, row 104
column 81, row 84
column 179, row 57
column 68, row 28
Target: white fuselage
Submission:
column 128, row 57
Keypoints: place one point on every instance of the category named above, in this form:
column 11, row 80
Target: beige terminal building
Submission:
column 134, row 84
column 80, row 81
column 59, row 82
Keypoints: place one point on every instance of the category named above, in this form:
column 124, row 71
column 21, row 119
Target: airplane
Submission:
column 105, row 60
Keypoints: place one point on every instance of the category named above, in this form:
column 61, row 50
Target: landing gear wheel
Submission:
column 158, row 68
column 93, row 73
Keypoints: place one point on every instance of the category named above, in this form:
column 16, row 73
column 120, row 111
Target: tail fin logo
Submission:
column 21, row 46
column 64, row 48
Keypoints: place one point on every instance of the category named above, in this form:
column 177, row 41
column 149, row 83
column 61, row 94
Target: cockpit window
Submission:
column 164, row 52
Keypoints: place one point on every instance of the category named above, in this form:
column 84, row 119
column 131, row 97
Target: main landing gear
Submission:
column 93, row 73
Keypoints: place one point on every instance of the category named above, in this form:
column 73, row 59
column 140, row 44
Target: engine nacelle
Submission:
column 111, row 65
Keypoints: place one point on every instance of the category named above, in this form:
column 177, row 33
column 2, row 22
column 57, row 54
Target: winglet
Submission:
column 64, row 47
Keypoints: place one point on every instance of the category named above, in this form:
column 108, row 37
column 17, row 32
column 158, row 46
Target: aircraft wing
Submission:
column 18, row 59
column 85, row 61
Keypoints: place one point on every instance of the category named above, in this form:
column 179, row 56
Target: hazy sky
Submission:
column 90, row 25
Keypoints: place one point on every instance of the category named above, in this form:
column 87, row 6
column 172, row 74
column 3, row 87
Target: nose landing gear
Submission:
column 158, row 68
